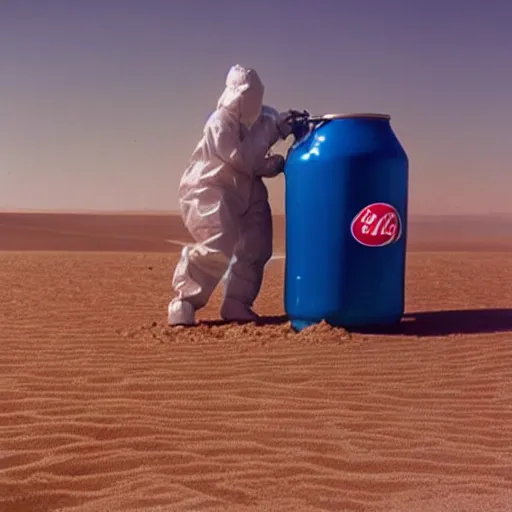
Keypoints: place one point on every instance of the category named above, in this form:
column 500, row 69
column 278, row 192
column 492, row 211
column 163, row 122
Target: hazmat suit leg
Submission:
column 202, row 265
column 253, row 250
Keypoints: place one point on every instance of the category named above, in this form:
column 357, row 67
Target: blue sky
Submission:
column 104, row 100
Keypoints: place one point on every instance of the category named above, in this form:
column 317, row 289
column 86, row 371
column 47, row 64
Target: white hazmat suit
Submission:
column 224, row 203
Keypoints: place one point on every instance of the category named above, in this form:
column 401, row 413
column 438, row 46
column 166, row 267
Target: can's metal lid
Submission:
column 355, row 115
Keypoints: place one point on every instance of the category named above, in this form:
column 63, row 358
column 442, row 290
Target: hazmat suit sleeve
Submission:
column 245, row 155
column 272, row 166
column 270, row 127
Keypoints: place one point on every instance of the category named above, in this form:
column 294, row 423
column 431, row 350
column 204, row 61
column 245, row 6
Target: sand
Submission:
column 103, row 407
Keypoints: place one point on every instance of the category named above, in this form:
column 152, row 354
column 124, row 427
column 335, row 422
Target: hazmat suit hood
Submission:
column 243, row 95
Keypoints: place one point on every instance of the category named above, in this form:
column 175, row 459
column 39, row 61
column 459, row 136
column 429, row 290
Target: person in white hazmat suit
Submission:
column 224, row 203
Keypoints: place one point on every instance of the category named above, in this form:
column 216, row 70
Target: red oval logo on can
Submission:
column 376, row 225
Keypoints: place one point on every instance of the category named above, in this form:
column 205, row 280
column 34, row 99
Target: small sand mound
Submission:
column 324, row 332
column 243, row 335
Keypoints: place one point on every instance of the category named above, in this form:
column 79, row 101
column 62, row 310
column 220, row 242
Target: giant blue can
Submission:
column 346, row 223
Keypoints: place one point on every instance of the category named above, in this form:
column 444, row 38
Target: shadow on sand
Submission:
column 443, row 323
column 426, row 323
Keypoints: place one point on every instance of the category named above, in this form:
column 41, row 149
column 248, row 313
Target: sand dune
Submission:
column 103, row 407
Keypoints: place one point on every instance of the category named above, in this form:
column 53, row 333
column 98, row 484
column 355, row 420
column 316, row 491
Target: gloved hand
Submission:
column 298, row 114
column 272, row 166
column 284, row 123
column 286, row 120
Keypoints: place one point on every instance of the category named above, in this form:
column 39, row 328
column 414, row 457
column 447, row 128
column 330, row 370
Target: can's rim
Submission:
column 359, row 115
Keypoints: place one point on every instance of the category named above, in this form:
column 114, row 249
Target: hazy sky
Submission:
column 102, row 101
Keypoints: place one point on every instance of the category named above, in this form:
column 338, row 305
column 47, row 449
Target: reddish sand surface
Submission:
column 105, row 408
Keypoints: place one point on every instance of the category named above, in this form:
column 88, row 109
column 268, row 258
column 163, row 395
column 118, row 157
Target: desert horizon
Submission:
column 154, row 231
column 277, row 212
column 104, row 407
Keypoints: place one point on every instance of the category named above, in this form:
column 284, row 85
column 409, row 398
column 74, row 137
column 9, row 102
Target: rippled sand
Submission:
column 103, row 407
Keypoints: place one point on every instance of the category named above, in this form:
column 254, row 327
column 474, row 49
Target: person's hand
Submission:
column 296, row 113
column 276, row 163
column 284, row 124
column 286, row 120
column 272, row 166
